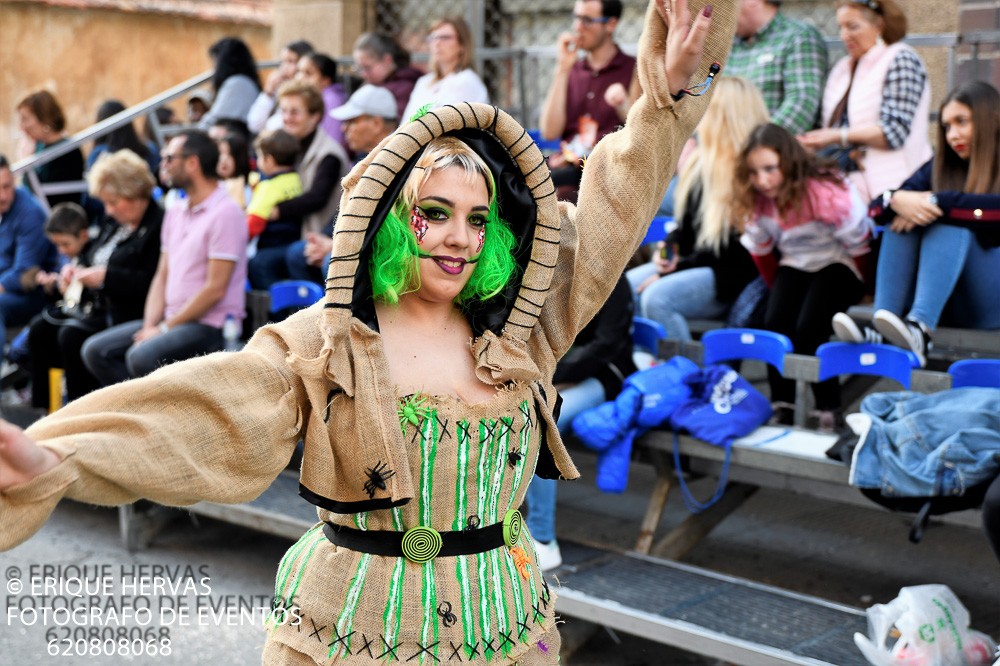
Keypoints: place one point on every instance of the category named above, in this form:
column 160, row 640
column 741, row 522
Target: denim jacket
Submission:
column 929, row 445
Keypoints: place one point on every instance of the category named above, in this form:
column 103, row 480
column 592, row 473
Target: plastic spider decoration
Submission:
column 410, row 411
column 521, row 561
column 513, row 457
column 448, row 618
column 377, row 476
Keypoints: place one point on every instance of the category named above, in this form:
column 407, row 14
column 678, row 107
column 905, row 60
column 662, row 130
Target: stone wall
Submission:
column 87, row 55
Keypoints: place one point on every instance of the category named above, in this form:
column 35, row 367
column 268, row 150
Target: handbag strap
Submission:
column 690, row 501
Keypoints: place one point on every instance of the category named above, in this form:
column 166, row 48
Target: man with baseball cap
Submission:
column 368, row 116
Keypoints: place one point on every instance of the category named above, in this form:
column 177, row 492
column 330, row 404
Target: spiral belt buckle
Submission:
column 422, row 544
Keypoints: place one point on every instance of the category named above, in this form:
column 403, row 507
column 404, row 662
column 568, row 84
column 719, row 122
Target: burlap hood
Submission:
column 351, row 358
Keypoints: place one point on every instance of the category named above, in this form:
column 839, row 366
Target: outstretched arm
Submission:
column 625, row 177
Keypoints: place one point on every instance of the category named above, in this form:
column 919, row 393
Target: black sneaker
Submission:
column 909, row 334
column 848, row 329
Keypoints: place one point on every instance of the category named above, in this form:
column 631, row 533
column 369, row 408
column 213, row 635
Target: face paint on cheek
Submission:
column 482, row 238
column 418, row 221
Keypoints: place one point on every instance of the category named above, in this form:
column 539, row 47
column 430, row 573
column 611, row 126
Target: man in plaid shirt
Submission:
column 786, row 59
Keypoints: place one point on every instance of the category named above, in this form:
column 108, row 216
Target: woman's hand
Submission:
column 685, row 41
column 915, row 207
column 818, row 139
column 93, row 277
column 21, row 459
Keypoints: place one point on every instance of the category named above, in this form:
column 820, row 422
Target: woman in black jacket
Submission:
column 115, row 272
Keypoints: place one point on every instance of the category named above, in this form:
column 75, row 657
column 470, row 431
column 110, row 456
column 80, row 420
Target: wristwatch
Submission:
column 887, row 198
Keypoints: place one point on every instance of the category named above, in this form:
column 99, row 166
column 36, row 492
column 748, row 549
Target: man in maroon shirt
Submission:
column 589, row 96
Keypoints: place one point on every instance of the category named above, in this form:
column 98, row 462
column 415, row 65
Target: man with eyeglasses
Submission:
column 589, row 97
column 200, row 278
column 786, row 59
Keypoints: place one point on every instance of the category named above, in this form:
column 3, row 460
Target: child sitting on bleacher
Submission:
column 818, row 223
column 276, row 154
column 927, row 260
column 68, row 230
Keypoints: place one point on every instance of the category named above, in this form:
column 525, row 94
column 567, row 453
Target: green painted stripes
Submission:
column 310, row 539
column 498, row 459
column 483, row 469
column 461, row 508
column 428, row 454
column 345, row 622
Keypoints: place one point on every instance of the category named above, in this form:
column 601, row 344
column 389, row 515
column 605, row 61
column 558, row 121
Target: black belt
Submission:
column 421, row 544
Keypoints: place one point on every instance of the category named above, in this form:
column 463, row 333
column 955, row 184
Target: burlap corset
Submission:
column 470, row 465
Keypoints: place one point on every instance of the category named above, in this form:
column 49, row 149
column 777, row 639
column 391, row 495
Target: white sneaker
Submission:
column 847, row 329
column 909, row 334
column 549, row 557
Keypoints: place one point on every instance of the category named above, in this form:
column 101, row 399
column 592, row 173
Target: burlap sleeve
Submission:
column 625, row 179
column 218, row 428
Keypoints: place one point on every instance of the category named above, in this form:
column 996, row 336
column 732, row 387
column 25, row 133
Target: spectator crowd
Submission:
column 805, row 188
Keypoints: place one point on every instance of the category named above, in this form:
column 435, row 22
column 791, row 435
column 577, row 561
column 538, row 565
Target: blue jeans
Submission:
column 920, row 270
column 267, row 267
column 677, row 297
column 541, row 495
column 298, row 269
column 18, row 309
column 112, row 356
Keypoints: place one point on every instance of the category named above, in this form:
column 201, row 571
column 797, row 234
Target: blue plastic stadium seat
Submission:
column 657, row 229
column 975, row 372
column 727, row 344
column 546, row 146
column 647, row 334
column 294, row 294
column 848, row 358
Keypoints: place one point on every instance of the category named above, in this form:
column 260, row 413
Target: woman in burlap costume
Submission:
column 422, row 422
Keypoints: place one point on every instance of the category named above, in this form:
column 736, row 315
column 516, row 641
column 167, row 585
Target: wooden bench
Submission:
column 778, row 457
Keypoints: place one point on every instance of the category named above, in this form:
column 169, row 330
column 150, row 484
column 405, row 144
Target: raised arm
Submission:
column 626, row 176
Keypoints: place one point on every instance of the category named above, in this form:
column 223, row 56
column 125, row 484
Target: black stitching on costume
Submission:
column 367, row 646
column 528, row 300
column 538, row 263
column 316, row 630
column 343, row 306
column 506, row 639
column 545, row 586
column 434, row 115
column 537, row 167
column 488, row 645
column 506, row 426
column 341, row 639
column 394, row 153
column 367, row 177
column 526, row 412
column 329, row 400
column 423, row 649
column 409, row 137
column 454, row 651
column 538, row 613
column 473, row 112
column 377, row 476
column 352, row 231
column 546, row 240
column 472, row 522
column 525, row 285
column 463, row 429
column 361, row 198
column 388, row 649
column 444, row 427
column 341, row 287
column 523, row 626
column 490, row 429
column 549, row 227
column 511, row 321
column 523, row 311
column 448, row 618
column 473, row 650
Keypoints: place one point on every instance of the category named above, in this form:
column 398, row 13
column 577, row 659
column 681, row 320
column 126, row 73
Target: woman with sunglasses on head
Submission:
column 421, row 385
column 877, row 99
column 453, row 76
column 940, row 253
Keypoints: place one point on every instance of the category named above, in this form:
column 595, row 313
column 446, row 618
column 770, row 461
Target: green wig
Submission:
column 393, row 265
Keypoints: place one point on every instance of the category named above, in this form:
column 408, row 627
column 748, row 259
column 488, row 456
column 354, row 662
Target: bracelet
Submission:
column 163, row 327
column 843, row 137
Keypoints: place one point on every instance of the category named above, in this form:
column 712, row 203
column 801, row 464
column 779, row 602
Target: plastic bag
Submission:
column 925, row 625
